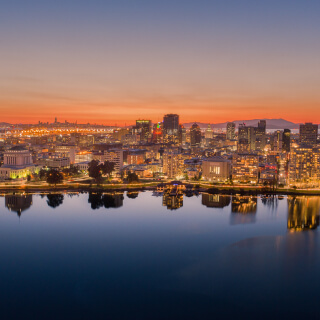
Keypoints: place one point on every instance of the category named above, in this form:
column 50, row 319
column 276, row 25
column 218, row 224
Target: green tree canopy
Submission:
column 54, row 176
column 132, row 177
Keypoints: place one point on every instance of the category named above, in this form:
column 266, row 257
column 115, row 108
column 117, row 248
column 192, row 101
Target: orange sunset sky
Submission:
column 114, row 62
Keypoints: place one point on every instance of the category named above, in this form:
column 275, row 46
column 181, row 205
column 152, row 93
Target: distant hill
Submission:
column 271, row 124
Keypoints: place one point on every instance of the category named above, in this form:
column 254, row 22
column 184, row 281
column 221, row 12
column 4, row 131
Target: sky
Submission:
column 113, row 62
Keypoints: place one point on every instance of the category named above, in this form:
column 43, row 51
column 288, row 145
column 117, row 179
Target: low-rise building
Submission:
column 245, row 167
column 216, row 169
column 17, row 163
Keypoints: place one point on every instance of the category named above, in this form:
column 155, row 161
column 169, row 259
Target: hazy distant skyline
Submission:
column 116, row 61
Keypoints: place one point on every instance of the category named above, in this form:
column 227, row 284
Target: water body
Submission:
column 140, row 256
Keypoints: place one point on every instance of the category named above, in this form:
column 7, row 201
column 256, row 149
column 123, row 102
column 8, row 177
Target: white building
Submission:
column 17, row 163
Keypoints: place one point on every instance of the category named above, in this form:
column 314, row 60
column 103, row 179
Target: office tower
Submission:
column 171, row 124
column 195, row 135
column 246, row 138
column 171, row 128
column 308, row 133
column 209, row 132
column 260, row 135
column 262, row 124
column 286, row 140
column 182, row 134
column 231, row 128
column 144, row 128
column 277, row 141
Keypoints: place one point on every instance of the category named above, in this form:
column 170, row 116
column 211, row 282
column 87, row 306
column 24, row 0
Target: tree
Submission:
column 95, row 199
column 107, row 167
column 132, row 195
column 54, row 176
column 94, row 170
column 72, row 171
column 54, row 200
column 132, row 177
column 28, row 177
column 42, row 174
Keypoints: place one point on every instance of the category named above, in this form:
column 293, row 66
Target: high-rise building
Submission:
column 195, row 135
column 171, row 128
column 260, row 136
column 252, row 138
column 171, row 124
column 246, row 138
column 145, row 128
column 301, row 166
column 286, row 140
column 308, row 133
column 231, row 129
column 182, row 134
column 277, row 141
column 262, row 124
column 172, row 163
column 209, row 132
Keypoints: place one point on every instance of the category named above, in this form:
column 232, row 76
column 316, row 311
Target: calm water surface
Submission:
column 132, row 256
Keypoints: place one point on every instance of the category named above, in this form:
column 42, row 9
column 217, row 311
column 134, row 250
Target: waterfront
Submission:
column 139, row 256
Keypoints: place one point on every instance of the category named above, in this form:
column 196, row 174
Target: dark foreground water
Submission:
column 131, row 257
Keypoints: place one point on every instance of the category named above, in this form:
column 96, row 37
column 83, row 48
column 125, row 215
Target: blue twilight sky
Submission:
column 114, row 61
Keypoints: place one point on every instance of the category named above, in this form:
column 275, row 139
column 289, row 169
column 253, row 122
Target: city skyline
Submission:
column 113, row 62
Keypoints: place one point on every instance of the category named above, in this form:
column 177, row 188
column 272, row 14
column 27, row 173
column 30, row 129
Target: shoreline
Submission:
column 223, row 190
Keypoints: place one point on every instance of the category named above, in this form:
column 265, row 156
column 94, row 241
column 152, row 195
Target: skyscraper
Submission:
column 308, row 133
column 231, row 128
column 182, row 134
column 286, row 140
column 209, row 132
column 195, row 135
column 144, row 128
column 171, row 127
column 171, row 124
column 260, row 136
column 277, row 141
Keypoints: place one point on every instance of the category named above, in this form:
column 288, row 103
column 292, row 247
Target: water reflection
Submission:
column 244, row 204
column 18, row 203
column 243, row 209
column 98, row 200
column 215, row 200
column 172, row 199
column 303, row 212
column 55, row 200
column 132, row 195
column 271, row 201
